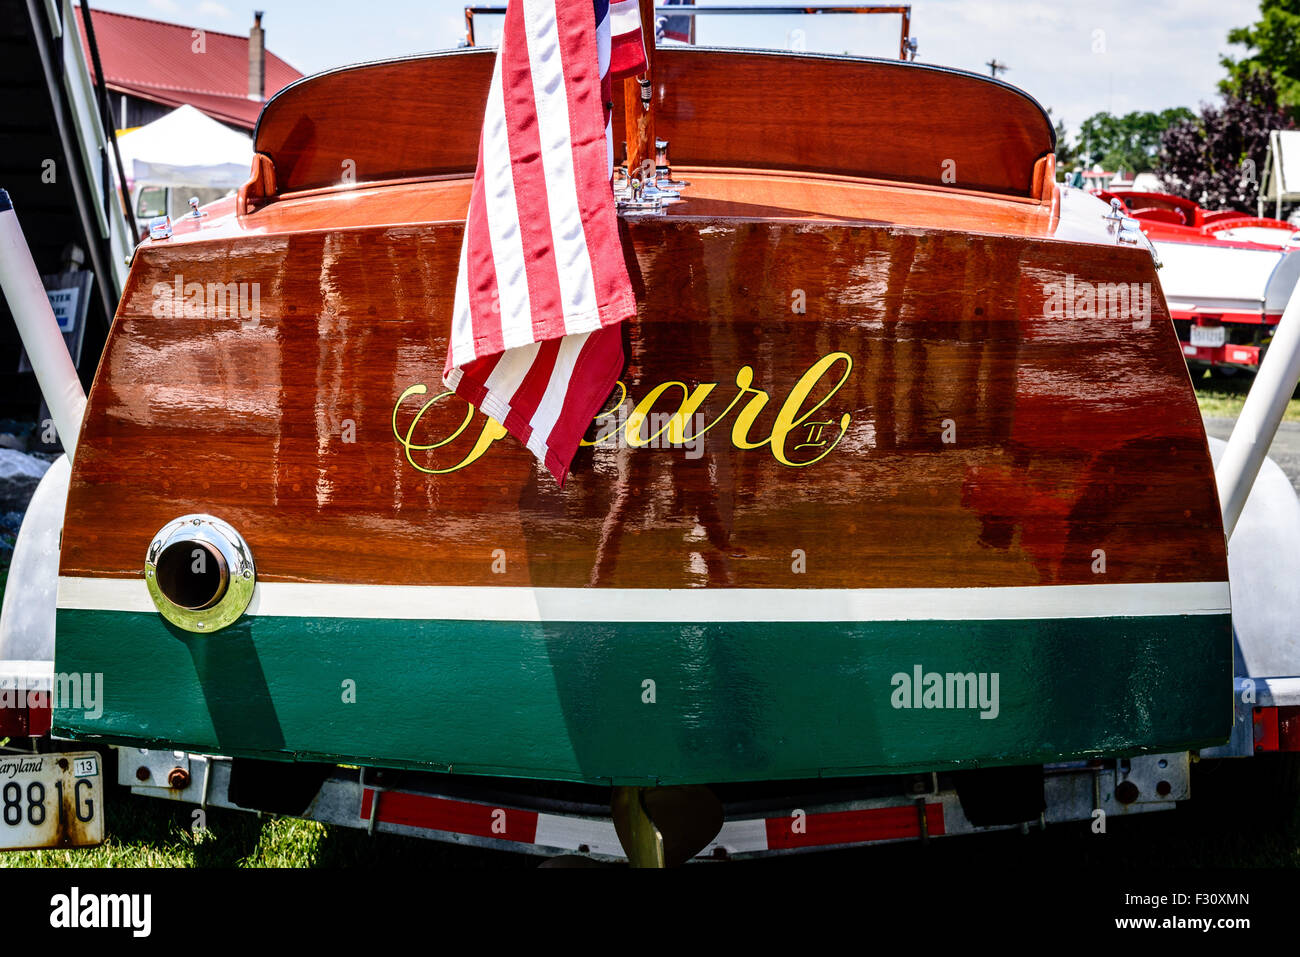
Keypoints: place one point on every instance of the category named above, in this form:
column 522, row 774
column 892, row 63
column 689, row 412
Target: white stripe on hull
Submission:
column 491, row 603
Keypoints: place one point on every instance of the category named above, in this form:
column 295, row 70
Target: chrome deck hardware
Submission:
column 663, row 169
column 1115, row 218
column 1128, row 231
column 160, row 227
column 633, row 197
column 645, row 192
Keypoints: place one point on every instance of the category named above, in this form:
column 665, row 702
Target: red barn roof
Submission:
column 156, row 61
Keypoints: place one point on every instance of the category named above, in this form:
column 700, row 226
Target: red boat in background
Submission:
column 1226, row 277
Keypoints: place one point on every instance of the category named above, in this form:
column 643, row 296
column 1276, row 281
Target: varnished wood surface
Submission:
column 872, row 118
column 1071, row 436
column 711, row 193
column 638, row 121
column 875, row 118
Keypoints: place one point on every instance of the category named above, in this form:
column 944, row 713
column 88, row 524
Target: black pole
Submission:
column 105, row 117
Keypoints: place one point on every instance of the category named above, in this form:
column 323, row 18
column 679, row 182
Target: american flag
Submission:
column 627, row 56
column 542, row 287
column 677, row 28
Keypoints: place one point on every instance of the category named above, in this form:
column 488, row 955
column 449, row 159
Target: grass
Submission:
column 150, row 832
column 1222, row 397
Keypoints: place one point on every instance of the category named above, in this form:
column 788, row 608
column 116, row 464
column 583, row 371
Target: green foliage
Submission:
column 1217, row 159
column 1067, row 153
column 1273, row 49
column 1130, row 142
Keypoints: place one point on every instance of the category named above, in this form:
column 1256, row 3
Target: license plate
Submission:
column 1211, row 336
column 51, row 800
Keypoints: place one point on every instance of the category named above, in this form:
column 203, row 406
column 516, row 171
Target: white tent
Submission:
column 186, row 148
column 1281, row 171
column 1147, row 183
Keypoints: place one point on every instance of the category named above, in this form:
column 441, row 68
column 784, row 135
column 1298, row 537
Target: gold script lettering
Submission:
column 790, row 418
column 746, row 416
column 691, row 400
column 492, row 430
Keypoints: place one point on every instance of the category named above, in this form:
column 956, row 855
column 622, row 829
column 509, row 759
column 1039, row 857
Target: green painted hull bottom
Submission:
column 569, row 701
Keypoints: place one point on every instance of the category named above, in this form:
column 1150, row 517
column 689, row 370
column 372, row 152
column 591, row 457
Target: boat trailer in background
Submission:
column 907, row 45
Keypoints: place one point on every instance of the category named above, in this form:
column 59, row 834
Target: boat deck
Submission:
column 712, row 193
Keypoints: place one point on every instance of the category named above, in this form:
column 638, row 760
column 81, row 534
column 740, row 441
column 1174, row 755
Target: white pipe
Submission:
column 46, row 350
column 1265, row 405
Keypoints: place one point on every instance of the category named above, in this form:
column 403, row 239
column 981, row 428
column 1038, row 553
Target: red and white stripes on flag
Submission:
column 542, row 286
column 627, row 45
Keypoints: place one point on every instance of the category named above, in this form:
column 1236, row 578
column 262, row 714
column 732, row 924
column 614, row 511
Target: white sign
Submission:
column 64, row 303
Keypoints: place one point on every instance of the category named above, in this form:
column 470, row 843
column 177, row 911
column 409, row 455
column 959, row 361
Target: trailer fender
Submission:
column 27, row 617
column 1281, row 282
column 1263, row 567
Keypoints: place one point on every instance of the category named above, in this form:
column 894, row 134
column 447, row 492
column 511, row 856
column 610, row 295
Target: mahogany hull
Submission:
column 908, row 461
column 1001, row 446
column 888, row 490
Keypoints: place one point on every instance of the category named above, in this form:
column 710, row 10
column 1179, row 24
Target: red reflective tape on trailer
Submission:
column 38, row 721
column 852, row 827
column 456, row 817
column 1265, row 721
column 1222, row 318
column 24, row 722
column 1288, row 728
column 1250, row 318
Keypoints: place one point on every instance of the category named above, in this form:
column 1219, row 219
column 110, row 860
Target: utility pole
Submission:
column 995, row 67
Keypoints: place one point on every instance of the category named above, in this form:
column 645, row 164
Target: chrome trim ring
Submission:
column 236, row 572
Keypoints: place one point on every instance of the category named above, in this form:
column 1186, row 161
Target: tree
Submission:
column 1129, row 142
column 1217, row 159
column 1273, row 44
column 1067, row 154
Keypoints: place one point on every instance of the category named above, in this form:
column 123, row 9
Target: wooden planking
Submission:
column 397, row 118
column 875, row 118
column 871, row 118
column 1071, row 435
column 712, row 194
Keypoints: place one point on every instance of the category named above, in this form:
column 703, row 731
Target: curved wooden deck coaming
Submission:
column 1071, row 435
column 770, row 195
column 870, row 118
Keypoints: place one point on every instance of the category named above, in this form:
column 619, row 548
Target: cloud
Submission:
column 1153, row 55
column 213, row 9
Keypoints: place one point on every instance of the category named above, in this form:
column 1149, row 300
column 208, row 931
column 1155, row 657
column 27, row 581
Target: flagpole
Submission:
column 639, row 122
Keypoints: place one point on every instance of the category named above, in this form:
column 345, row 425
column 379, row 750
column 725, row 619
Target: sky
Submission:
column 1075, row 58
